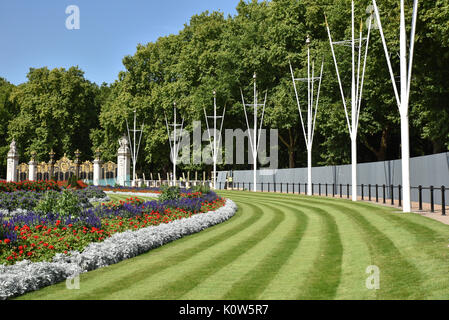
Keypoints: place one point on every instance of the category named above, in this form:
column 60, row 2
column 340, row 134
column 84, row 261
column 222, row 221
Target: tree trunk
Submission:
column 291, row 158
column 290, row 147
column 437, row 146
column 381, row 152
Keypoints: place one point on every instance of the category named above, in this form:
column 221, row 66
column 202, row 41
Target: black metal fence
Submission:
column 379, row 193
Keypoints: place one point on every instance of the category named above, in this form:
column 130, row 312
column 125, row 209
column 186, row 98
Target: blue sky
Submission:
column 34, row 34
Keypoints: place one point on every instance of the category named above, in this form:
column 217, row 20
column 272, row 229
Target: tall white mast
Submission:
column 134, row 150
column 216, row 142
column 311, row 110
column 406, row 66
column 255, row 139
column 174, row 143
column 356, row 88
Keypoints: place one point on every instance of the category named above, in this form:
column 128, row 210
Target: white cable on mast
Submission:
column 402, row 100
column 254, row 141
column 175, row 141
column 214, row 144
column 356, row 87
column 132, row 145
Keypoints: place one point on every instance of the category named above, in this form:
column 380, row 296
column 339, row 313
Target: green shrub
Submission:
column 169, row 193
column 201, row 188
column 72, row 182
column 48, row 202
column 66, row 204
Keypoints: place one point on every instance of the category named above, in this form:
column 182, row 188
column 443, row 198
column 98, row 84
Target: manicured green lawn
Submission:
column 117, row 197
column 284, row 247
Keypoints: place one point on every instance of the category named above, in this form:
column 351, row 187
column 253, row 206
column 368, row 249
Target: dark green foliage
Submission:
column 72, row 182
column 169, row 193
column 66, row 204
column 58, row 108
column 201, row 188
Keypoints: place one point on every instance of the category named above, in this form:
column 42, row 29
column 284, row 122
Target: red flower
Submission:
column 7, row 241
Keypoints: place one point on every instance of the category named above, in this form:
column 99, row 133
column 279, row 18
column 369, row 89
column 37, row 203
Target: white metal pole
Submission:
column 404, row 114
column 309, row 125
column 353, row 114
column 175, row 151
column 255, row 136
column 214, row 145
column 356, row 92
column 134, row 151
column 311, row 111
column 403, row 99
column 215, row 140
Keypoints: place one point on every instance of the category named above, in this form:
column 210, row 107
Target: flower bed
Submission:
column 39, row 238
column 29, row 186
column 21, row 201
column 26, row 276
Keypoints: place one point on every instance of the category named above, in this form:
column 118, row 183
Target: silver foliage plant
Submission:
column 26, row 276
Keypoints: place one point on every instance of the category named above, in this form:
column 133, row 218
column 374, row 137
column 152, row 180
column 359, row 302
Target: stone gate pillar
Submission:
column 123, row 162
column 12, row 163
column 97, row 168
column 32, row 167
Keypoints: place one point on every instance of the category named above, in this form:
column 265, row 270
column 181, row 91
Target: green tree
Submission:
column 57, row 110
column 214, row 52
column 7, row 112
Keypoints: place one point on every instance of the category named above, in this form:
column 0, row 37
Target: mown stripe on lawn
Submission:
column 355, row 255
column 420, row 244
column 323, row 279
column 151, row 286
column 256, row 279
column 155, row 261
column 399, row 277
column 293, row 274
column 191, row 278
column 400, row 219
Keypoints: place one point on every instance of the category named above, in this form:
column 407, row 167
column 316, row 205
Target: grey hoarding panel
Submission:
column 426, row 171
